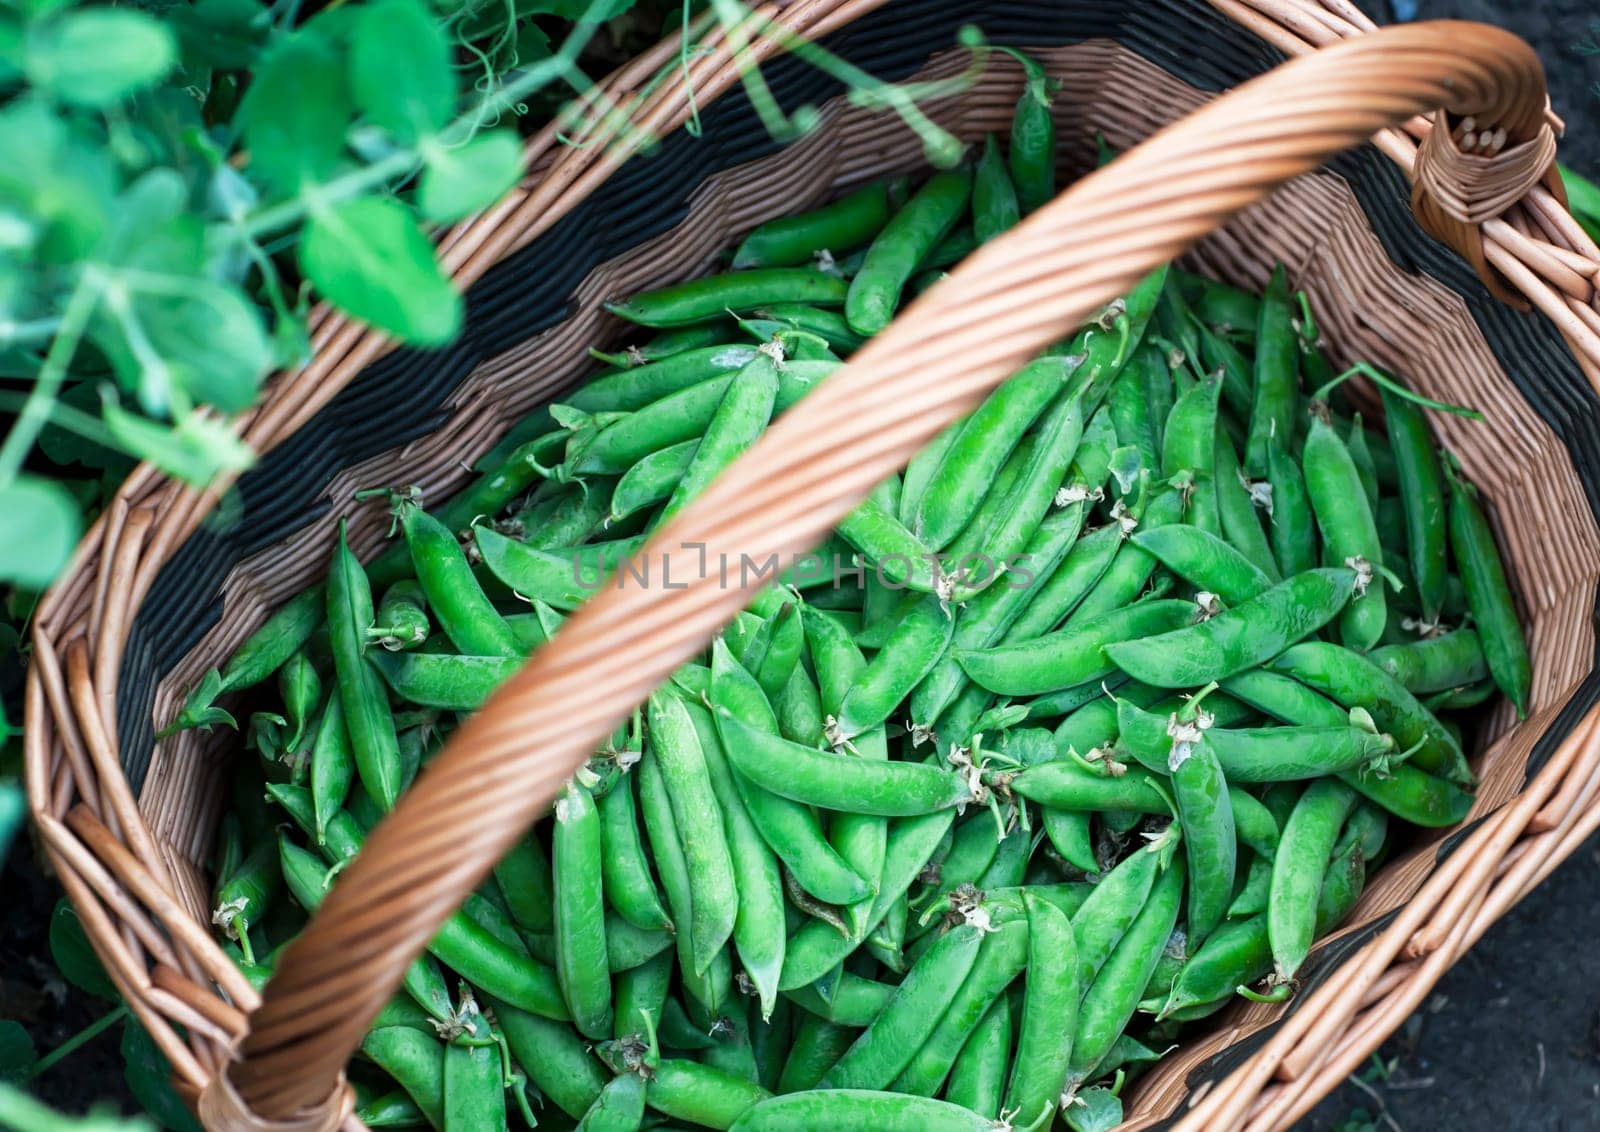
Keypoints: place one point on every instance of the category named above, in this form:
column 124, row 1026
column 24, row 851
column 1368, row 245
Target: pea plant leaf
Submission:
column 39, row 526
column 596, row 11
column 224, row 34
column 369, row 257
column 149, row 1077
column 74, row 957
column 98, row 56
column 465, row 179
column 400, row 70
column 295, row 114
column 17, row 1052
column 197, row 449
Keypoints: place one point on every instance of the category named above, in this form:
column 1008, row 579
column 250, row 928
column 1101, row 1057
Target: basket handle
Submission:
column 1012, row 297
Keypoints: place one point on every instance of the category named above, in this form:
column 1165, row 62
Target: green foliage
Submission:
column 17, row 1052
column 149, row 1077
column 74, row 957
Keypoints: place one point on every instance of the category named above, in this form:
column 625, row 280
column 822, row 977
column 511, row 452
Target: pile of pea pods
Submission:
column 1125, row 686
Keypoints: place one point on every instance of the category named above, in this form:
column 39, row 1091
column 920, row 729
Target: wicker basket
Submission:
column 159, row 592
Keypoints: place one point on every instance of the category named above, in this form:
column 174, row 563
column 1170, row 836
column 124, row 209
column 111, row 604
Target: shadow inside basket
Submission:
column 1381, row 290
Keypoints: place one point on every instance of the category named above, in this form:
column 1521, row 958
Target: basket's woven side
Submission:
column 1009, row 299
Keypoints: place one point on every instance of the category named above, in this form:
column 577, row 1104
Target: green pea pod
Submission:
column 978, row 1078
column 1050, row 1005
column 828, row 325
column 1297, row 871
column 556, row 1060
column 842, row 783
column 1071, row 656
column 416, row 1061
column 1294, row 532
column 581, row 964
column 392, row 1110
column 1129, row 402
column 624, row 867
column 443, row 680
column 246, row 894
column 1349, row 532
column 1276, row 373
column 524, row 876
column 366, row 708
column 402, row 617
column 1239, row 638
column 817, row 1044
column 741, row 418
column 901, row 559
column 262, row 654
column 1209, row 834
column 1236, row 954
column 1236, row 509
column 638, row 386
column 1058, row 591
column 1065, row 786
column 1033, row 138
column 1434, row 664
column 618, row 1108
column 1205, row 562
column 1352, row 681
column 858, row 1108
column 639, row 992
column 474, row 1091
column 967, row 472
column 301, row 689
column 914, row 482
column 652, row 480
column 576, row 515
column 698, row 1094
column 675, row 747
column 1130, row 569
column 1361, row 456
column 788, row 827
column 333, row 766
column 912, row 650
column 887, row 1046
column 738, row 292
column 837, row 227
column 995, row 208
column 798, row 706
column 1189, row 445
column 1220, row 356
column 758, row 930
column 901, row 246
column 1494, row 609
column 1071, row 838
column 465, row 613
column 1342, row 886
column 1111, row 1000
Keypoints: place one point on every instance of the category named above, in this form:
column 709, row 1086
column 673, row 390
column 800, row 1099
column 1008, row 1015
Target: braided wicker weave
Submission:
column 156, row 595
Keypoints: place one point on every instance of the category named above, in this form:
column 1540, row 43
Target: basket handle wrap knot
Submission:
column 1011, row 298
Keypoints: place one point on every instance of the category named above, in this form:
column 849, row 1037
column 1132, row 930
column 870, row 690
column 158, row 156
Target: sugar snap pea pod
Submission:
column 1045, row 1038
column 972, row 849
column 1251, row 896
column 1130, row 569
column 581, row 962
column 392, row 1110
column 1341, row 887
column 1361, row 456
column 955, row 247
column 1236, row 954
column 1459, row 699
column 1074, row 655
column 1422, row 497
column 852, row 1001
column 758, row 929
column 1294, row 534
column 1130, row 407
column 465, row 613
column 1209, row 834
column 246, row 893
column 1297, row 871
column 474, row 1091
column 698, row 300
column 624, row 868
column 1030, row 499
column 1278, row 754
column 1010, row 861
column 978, row 1078
column 1494, row 609
column 262, row 654
column 1353, row 680
column 901, row 246
column 524, row 877
column 580, row 513
column 301, row 689
column 1111, row 1000
column 561, row 579
column 669, row 343
column 1349, row 533
column 817, row 1045
column 1255, row 824
column 1070, row 836
column 788, row 827
column 1055, row 705
column 1205, row 561
column 821, row 1109
column 887, row 1046
column 994, row 198
column 333, row 765
column 698, row 1094
column 444, row 680
column 730, row 1049
column 837, row 782
column 366, row 708
column 1114, row 902
column 640, row 991
column 1434, row 664
column 618, row 1108
column 900, row 557
column 1239, row 638
column 416, row 1061
column 655, row 808
column 1059, row 591
column 798, row 707
column 860, row 839
column 556, row 1060
column 1032, row 151
column 638, row 386
column 402, row 616
column 913, row 648
column 1189, row 445
column 817, row 948
column 1227, row 308
column 676, row 749
column 828, row 325
column 1276, row 373
column 1236, row 508
column 741, row 417
column 914, row 481
column 771, row 1041
column 1220, row 356
column 836, row 227
column 987, row 439
column 1066, row 786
